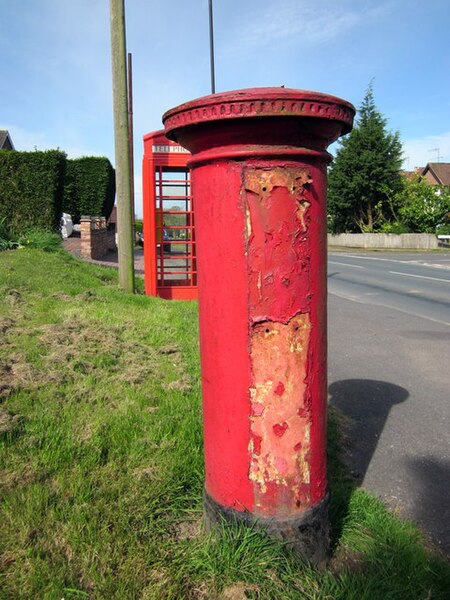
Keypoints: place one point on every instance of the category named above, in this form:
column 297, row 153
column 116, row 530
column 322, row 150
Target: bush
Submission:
column 422, row 206
column 89, row 187
column 394, row 227
column 31, row 190
column 443, row 229
column 43, row 240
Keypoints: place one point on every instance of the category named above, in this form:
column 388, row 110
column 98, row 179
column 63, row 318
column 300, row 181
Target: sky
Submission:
column 55, row 65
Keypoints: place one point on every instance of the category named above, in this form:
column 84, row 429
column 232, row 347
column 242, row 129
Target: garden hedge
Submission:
column 89, row 187
column 31, row 189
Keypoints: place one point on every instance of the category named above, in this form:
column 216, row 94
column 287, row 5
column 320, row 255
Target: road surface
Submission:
column 389, row 372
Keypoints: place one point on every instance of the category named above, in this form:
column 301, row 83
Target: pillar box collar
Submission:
column 239, row 120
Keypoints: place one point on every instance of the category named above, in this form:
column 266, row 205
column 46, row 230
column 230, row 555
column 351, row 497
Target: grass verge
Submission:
column 101, row 461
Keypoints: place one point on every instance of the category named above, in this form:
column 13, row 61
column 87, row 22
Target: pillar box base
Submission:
column 308, row 534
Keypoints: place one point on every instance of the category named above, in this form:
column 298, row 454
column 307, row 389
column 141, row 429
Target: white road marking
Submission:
column 333, row 262
column 420, row 276
column 402, row 262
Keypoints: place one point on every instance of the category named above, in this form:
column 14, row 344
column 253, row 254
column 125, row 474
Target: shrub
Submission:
column 443, row 229
column 422, row 206
column 89, row 187
column 31, row 190
column 7, row 242
column 394, row 227
column 43, row 240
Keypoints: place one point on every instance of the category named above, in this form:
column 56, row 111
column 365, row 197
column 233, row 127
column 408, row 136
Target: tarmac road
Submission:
column 389, row 372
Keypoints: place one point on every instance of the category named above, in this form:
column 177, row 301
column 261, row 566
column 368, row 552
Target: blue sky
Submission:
column 55, row 69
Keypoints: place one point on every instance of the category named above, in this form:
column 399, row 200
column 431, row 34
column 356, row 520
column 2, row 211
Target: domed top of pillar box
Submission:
column 271, row 120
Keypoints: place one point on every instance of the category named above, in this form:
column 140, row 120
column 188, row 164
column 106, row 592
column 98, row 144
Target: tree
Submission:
column 365, row 173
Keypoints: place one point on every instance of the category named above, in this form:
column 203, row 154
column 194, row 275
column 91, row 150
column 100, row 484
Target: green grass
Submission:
column 101, row 467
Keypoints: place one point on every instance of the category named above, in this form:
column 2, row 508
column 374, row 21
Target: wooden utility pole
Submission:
column 130, row 133
column 122, row 147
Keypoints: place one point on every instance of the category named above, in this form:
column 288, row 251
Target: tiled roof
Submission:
column 410, row 174
column 440, row 171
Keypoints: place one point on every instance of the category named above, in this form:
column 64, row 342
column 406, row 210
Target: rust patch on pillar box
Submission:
column 276, row 206
column 280, row 425
column 263, row 181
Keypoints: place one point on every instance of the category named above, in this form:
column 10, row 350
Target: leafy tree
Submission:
column 421, row 207
column 365, row 173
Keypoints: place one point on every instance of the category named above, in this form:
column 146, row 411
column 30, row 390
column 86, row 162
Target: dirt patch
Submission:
column 18, row 374
column 10, row 480
column 145, row 472
column 238, row 591
column 5, row 325
column 180, row 385
column 188, row 530
column 81, row 347
column 169, row 350
column 7, row 558
column 62, row 296
column 13, row 297
column 346, row 559
column 6, row 378
column 9, row 422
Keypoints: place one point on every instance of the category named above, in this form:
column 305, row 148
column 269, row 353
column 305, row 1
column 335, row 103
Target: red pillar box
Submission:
column 259, row 174
column 169, row 230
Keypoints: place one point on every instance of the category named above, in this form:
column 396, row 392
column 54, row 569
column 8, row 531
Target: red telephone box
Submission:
column 169, row 229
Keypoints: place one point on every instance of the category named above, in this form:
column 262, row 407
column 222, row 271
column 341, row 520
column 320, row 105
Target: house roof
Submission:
column 410, row 174
column 5, row 140
column 440, row 171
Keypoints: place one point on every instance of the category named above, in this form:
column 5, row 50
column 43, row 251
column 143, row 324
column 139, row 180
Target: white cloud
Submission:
column 295, row 22
column 420, row 151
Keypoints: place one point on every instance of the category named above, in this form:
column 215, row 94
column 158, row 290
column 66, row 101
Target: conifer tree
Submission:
column 365, row 174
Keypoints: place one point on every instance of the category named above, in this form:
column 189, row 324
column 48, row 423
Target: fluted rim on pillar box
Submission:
column 259, row 176
column 229, row 111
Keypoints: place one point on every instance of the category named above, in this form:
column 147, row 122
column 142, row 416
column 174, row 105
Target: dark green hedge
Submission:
column 31, row 188
column 89, row 187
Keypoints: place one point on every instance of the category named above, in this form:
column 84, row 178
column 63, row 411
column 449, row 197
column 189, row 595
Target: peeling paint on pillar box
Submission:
column 279, row 251
column 277, row 203
column 281, row 420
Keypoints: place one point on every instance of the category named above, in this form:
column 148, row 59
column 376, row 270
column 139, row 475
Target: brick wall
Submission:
column 96, row 240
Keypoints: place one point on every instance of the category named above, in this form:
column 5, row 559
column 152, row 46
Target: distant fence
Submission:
column 418, row 241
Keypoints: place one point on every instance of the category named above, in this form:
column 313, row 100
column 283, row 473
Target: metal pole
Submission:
column 121, row 145
column 211, row 47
